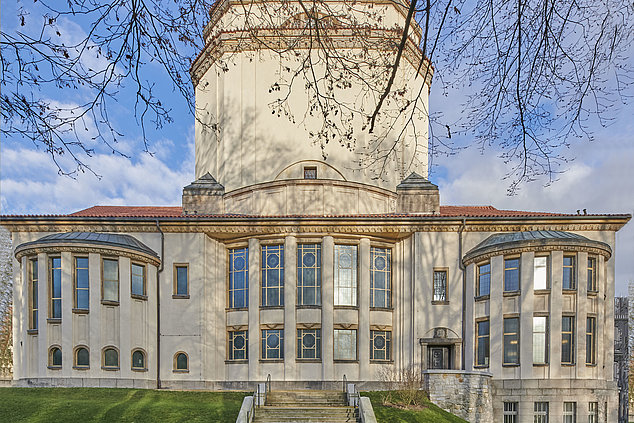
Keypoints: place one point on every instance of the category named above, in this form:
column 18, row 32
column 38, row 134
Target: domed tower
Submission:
column 287, row 92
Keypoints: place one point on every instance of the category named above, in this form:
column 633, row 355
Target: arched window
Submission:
column 82, row 357
column 110, row 358
column 181, row 362
column 138, row 360
column 55, row 357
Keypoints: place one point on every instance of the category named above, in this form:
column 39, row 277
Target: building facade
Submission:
column 281, row 263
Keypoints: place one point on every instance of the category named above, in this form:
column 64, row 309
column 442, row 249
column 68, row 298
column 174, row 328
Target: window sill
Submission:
column 80, row 311
column 482, row 297
column 277, row 307
column 591, row 364
column 346, row 361
column 510, row 364
column 440, row 303
column 180, row 296
column 54, row 367
column 110, row 369
column 511, row 293
column 345, row 307
column 110, row 302
column 180, row 370
column 271, row 360
column 54, row 320
column 31, row 331
column 593, row 293
column 236, row 361
column 381, row 309
column 139, row 296
column 81, row 367
column 308, row 306
column 308, row 360
column 540, row 364
column 569, row 291
column 541, row 291
column 382, row 361
column 568, row 364
column 481, row 367
column 237, row 309
column 138, row 369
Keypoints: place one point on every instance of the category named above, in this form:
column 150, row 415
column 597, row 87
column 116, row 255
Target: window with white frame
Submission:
column 33, row 287
column 511, row 412
column 308, row 274
column 380, row 277
column 345, row 344
column 540, row 273
column 272, row 276
column 540, row 339
column 593, row 412
column 309, row 343
column 110, row 280
column 82, row 296
column 55, row 292
column 345, row 289
column 440, row 286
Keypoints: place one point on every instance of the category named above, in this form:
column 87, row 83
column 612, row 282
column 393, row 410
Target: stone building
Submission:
column 621, row 355
column 281, row 263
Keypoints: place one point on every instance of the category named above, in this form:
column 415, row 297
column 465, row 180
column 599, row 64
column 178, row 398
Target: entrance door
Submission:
column 439, row 357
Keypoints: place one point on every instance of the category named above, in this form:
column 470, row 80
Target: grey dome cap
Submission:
column 107, row 240
column 537, row 240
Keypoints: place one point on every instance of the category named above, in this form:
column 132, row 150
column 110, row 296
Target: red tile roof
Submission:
column 129, row 211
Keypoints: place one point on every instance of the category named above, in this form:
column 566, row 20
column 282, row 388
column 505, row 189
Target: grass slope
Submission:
column 71, row 405
column 431, row 413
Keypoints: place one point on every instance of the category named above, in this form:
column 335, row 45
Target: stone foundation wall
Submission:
column 465, row 394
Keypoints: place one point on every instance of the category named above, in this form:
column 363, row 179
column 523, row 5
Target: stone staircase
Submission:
column 306, row 406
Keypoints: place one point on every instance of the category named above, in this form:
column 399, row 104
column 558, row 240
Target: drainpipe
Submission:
column 464, row 289
column 158, row 309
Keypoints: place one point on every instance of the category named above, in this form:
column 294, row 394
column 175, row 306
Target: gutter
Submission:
column 158, row 307
column 464, row 290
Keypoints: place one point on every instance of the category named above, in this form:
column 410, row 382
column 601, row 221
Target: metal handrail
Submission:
column 254, row 404
column 345, row 383
column 267, row 386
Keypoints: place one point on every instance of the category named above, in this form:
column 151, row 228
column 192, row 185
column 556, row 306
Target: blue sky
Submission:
column 600, row 178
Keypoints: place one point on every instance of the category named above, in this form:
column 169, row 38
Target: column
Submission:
column 290, row 293
column 254, row 309
column 94, row 337
column 125, row 303
column 327, row 306
column 496, row 316
column 23, row 344
column 43, row 284
column 67, row 313
column 601, row 324
column 556, row 305
column 364, row 308
column 581, row 310
column 526, row 314
column 469, row 341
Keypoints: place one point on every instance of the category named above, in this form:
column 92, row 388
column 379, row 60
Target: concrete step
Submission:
column 322, row 398
column 306, row 406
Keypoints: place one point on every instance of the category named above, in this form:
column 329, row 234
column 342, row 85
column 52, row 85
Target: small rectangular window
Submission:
column 181, row 280
column 272, row 276
column 137, row 274
column 345, row 344
column 512, row 340
column 272, row 344
column 110, row 280
column 33, row 287
column 540, row 412
column 540, row 273
column 592, row 274
column 510, row 412
column 308, row 274
column 440, row 286
column 540, row 340
column 380, row 345
column 310, row 172
column 593, row 412
column 309, row 343
column 570, row 412
column 56, row 288
column 238, row 278
column 484, row 280
column 345, row 289
column 591, row 340
column 512, row 275
column 82, row 296
column 482, row 343
column 567, row 339
column 239, row 345
column 380, row 277
column 569, row 281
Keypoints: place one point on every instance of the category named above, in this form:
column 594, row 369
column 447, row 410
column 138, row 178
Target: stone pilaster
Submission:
column 327, row 307
column 364, row 307
column 290, row 300
column 254, row 310
column 67, row 313
column 496, row 316
column 556, row 306
column 526, row 314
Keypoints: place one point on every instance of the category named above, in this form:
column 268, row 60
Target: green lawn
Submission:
column 429, row 414
column 81, row 405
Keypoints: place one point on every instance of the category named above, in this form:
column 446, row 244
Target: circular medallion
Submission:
column 379, row 342
column 309, row 340
column 238, row 342
column 238, row 263
column 345, row 260
column 272, row 341
column 273, row 260
column 379, row 263
column 309, row 259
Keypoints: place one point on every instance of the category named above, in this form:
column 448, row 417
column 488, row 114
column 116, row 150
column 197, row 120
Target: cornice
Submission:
column 77, row 249
column 284, row 38
column 537, row 249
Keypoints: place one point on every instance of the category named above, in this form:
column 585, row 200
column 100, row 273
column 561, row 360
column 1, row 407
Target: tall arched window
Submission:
column 82, row 357
column 110, row 358
column 55, row 357
column 138, row 360
column 181, row 362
